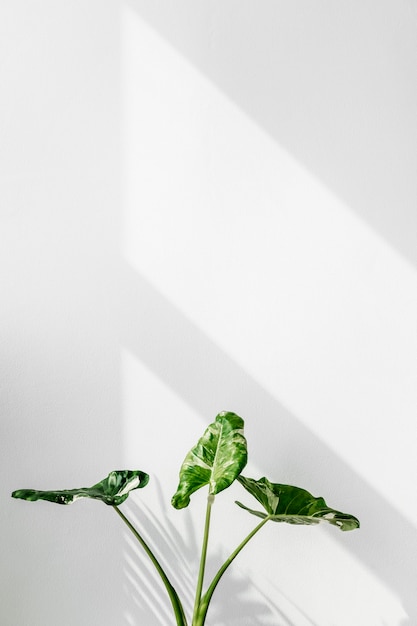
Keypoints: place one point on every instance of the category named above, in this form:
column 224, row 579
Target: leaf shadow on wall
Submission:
column 177, row 554
column 191, row 364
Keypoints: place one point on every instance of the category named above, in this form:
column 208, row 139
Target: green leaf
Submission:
column 112, row 490
column 216, row 460
column 284, row 503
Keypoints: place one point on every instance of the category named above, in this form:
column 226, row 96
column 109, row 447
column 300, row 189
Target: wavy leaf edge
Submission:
column 216, row 460
column 293, row 505
column 112, row 490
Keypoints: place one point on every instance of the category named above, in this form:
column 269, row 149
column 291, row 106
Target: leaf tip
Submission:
column 180, row 501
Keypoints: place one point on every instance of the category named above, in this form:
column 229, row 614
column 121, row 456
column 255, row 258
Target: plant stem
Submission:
column 173, row 596
column 200, row 579
column 205, row 601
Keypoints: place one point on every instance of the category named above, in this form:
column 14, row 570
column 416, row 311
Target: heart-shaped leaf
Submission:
column 216, row 460
column 284, row 503
column 112, row 490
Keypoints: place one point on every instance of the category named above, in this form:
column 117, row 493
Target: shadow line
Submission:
column 178, row 554
column 287, row 67
column 189, row 362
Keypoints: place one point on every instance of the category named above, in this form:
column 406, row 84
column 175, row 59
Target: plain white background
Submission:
column 208, row 206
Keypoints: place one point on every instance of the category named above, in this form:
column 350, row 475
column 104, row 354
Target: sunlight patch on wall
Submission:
column 268, row 263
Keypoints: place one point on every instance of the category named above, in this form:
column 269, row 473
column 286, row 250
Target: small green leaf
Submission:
column 216, row 460
column 284, row 503
column 112, row 490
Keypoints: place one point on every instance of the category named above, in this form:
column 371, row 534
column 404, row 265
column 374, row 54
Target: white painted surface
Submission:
column 266, row 265
column 59, row 385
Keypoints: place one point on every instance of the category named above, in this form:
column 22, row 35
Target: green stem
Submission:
column 173, row 596
column 204, row 604
column 200, row 580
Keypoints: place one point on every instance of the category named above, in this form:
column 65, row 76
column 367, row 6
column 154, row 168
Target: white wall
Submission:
column 60, row 219
column 250, row 246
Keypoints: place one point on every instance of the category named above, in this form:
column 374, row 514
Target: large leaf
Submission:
column 216, row 460
column 284, row 503
column 112, row 490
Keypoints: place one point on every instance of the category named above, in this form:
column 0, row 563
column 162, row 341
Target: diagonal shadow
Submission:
column 294, row 70
column 179, row 561
column 188, row 361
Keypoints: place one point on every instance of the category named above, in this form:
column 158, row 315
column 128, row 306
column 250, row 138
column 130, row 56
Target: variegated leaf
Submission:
column 284, row 503
column 216, row 460
column 112, row 490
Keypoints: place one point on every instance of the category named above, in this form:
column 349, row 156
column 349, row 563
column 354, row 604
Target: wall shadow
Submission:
column 178, row 554
column 331, row 86
column 189, row 362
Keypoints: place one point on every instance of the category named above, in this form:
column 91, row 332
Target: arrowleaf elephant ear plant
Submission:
column 215, row 462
